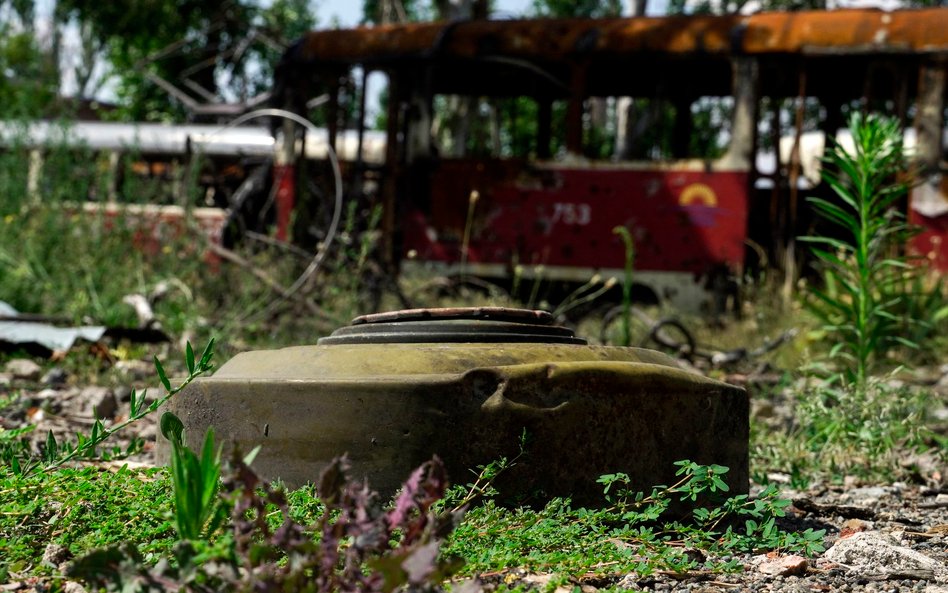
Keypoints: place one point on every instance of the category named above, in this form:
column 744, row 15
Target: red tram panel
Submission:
column 682, row 220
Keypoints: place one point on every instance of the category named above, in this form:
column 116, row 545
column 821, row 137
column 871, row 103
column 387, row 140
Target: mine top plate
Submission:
column 492, row 313
column 457, row 325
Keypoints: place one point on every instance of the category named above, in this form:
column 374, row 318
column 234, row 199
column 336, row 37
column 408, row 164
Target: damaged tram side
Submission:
column 495, row 163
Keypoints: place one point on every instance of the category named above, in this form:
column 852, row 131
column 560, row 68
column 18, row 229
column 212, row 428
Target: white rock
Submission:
column 47, row 394
column 871, row 552
column 24, row 369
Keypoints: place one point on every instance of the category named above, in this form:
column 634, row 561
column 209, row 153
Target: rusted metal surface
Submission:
column 499, row 325
column 871, row 31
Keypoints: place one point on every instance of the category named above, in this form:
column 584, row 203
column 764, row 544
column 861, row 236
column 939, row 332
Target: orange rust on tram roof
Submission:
column 854, row 30
column 848, row 30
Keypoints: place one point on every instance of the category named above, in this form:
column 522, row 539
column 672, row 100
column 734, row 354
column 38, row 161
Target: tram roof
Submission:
column 805, row 32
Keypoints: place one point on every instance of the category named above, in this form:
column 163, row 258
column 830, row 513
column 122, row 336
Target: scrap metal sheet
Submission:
column 57, row 339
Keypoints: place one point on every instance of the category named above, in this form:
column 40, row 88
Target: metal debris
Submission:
column 32, row 334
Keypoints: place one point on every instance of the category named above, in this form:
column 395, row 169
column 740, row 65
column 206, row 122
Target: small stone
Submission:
column 137, row 370
column 100, row 401
column 55, row 377
column 942, row 382
column 538, row 581
column 46, row 394
column 24, row 369
column 783, row 566
column 147, row 432
column 5, row 381
column 472, row 585
column 124, row 394
column 73, row 587
column 866, row 497
column 49, row 398
column 629, row 582
column 54, row 555
column 853, row 526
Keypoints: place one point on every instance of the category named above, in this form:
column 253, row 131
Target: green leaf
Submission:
column 171, row 427
column 136, row 403
column 52, row 448
column 835, row 213
column 208, row 353
column 96, row 435
column 161, row 374
column 189, row 358
column 906, row 342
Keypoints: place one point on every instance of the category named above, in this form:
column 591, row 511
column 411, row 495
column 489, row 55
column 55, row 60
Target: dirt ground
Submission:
column 880, row 537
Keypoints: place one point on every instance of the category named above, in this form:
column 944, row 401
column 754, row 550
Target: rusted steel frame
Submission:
column 794, row 173
column 901, row 99
column 418, row 118
column 843, row 31
column 929, row 110
column 360, row 123
column 745, row 74
column 776, row 203
column 391, row 172
column 790, row 261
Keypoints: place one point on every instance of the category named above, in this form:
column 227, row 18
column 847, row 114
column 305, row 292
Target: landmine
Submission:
column 393, row 389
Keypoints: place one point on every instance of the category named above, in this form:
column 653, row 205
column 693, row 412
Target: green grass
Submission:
column 81, row 509
column 85, row 509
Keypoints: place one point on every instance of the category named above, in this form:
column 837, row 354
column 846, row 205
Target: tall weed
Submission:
column 59, row 260
column 872, row 302
column 875, row 302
